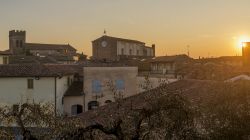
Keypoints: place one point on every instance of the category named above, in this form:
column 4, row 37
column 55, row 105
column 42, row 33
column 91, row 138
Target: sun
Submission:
column 241, row 41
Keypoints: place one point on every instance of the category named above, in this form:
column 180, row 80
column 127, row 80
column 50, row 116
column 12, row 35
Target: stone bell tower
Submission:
column 17, row 41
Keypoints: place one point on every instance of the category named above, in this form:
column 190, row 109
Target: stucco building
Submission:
column 35, row 83
column 113, row 49
column 101, row 85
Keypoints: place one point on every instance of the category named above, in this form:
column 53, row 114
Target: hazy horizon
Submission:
column 209, row 27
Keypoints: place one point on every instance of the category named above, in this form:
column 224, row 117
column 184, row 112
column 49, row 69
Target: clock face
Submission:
column 104, row 43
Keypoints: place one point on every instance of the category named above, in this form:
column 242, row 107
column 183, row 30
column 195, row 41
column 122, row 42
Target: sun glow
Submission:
column 241, row 41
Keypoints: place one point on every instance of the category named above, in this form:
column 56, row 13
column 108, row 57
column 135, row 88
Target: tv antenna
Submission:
column 188, row 46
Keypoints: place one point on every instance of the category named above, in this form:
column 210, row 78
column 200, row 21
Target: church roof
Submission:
column 37, row 46
column 118, row 39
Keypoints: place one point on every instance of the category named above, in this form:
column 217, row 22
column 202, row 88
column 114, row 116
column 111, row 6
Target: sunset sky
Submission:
column 209, row 27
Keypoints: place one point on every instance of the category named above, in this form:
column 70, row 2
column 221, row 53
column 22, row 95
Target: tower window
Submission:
column 17, row 43
column 21, row 43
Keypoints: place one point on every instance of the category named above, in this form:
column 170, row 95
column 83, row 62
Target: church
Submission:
column 115, row 49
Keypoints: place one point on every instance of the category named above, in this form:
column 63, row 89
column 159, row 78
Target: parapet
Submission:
column 17, row 33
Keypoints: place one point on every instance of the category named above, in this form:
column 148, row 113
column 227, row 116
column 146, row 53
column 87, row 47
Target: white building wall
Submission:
column 14, row 90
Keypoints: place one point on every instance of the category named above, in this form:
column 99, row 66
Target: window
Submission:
column 21, row 43
column 122, row 51
column 76, row 109
column 137, row 52
column 96, row 86
column 68, row 81
column 108, row 101
column 5, row 60
column 92, row 105
column 130, row 51
column 15, row 108
column 30, row 84
column 119, row 84
column 17, row 43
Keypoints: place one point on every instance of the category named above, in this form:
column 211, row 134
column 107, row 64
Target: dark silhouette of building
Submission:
column 246, row 53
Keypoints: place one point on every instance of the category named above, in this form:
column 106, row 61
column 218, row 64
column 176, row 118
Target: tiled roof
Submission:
column 37, row 46
column 16, row 59
column 173, row 58
column 26, row 70
column 5, row 53
column 119, row 39
column 194, row 90
column 75, row 89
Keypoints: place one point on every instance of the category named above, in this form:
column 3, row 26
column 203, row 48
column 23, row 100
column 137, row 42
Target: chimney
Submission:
column 153, row 47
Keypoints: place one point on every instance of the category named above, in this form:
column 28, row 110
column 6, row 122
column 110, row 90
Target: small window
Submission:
column 30, row 84
column 21, row 43
column 122, row 51
column 76, row 109
column 119, row 84
column 130, row 52
column 68, row 81
column 5, row 60
column 15, row 108
column 93, row 105
column 96, row 86
column 137, row 52
column 17, row 43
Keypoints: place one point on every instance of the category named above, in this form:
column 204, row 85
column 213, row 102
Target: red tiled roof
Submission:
column 173, row 58
column 194, row 90
column 37, row 46
column 26, row 70
column 119, row 39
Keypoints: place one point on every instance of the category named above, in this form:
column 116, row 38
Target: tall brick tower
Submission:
column 17, row 41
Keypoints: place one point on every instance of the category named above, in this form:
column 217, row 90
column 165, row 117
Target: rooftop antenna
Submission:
column 105, row 32
column 188, row 50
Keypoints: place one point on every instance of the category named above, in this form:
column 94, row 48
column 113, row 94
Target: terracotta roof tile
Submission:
column 37, row 46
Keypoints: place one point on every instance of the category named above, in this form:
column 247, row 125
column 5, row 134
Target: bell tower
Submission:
column 17, row 41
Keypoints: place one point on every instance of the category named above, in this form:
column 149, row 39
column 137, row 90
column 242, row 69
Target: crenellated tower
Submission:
column 17, row 41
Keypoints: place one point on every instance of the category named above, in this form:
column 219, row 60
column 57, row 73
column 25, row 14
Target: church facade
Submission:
column 115, row 49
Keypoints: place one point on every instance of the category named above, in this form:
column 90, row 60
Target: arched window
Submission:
column 76, row 109
column 17, row 43
column 108, row 101
column 92, row 105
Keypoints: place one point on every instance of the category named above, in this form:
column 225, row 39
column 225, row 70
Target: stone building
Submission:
column 19, row 46
column 114, row 49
